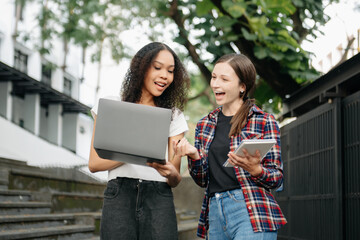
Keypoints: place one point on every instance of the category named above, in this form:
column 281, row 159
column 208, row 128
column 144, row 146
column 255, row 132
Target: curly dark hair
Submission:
column 174, row 96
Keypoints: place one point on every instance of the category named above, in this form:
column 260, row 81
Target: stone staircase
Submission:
column 51, row 203
column 188, row 200
column 56, row 203
column 187, row 224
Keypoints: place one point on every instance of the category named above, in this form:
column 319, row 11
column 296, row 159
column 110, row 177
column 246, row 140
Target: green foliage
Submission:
column 235, row 8
column 274, row 29
column 267, row 24
column 84, row 23
column 204, row 7
column 49, row 66
column 266, row 98
column 271, row 25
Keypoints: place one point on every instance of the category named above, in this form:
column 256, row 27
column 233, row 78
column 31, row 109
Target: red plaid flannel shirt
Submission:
column 265, row 214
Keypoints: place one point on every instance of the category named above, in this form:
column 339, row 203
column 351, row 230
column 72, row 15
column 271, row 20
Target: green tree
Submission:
column 88, row 24
column 269, row 32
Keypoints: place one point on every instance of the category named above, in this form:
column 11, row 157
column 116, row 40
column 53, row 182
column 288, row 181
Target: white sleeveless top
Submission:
column 178, row 125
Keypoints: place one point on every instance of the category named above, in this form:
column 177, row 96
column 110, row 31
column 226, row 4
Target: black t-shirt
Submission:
column 221, row 178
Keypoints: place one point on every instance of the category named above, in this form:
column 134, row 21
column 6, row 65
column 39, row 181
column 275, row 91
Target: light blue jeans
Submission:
column 229, row 218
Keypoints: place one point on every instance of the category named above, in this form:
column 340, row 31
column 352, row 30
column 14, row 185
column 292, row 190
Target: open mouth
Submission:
column 219, row 93
column 160, row 84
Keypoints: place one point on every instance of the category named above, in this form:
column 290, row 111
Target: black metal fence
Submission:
column 321, row 155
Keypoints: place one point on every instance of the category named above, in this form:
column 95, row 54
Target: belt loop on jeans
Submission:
column 139, row 181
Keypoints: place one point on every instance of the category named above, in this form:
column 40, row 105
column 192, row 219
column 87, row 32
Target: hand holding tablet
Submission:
column 251, row 145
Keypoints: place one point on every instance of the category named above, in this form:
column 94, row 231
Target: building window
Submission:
column 67, row 86
column 46, row 74
column 20, row 61
column 21, row 123
column 321, row 65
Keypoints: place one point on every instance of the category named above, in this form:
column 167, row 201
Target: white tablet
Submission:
column 251, row 145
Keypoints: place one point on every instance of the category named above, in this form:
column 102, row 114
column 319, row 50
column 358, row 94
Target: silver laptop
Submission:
column 131, row 133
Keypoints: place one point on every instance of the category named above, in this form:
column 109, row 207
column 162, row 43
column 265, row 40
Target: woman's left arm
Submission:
column 171, row 170
column 271, row 175
column 267, row 172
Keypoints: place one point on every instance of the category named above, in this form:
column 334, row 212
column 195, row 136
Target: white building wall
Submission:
column 328, row 48
column 6, row 28
column 22, row 145
column 20, row 137
column 70, row 123
column 83, row 141
column 56, row 56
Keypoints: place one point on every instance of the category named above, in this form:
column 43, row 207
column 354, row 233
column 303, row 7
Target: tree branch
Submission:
column 174, row 13
column 206, row 93
column 346, row 52
column 298, row 26
column 269, row 69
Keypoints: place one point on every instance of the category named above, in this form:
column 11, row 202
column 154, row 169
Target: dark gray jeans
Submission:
column 136, row 209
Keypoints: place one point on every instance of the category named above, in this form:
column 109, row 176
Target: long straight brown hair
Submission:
column 246, row 72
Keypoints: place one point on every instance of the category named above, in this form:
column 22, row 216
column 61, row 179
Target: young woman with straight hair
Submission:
column 238, row 203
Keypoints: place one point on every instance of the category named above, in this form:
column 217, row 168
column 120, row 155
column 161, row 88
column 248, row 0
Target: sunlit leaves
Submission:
column 235, row 8
column 266, row 97
column 224, row 21
column 280, row 6
column 247, row 35
column 204, row 7
column 261, row 52
column 259, row 26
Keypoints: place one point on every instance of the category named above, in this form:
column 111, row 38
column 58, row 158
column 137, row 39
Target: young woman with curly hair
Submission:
column 138, row 200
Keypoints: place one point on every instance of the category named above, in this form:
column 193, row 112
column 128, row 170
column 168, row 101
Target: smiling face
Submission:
column 158, row 77
column 226, row 87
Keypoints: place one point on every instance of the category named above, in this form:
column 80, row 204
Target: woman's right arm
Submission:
column 198, row 167
column 96, row 163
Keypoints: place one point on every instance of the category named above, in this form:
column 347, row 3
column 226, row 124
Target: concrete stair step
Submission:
column 187, row 230
column 7, row 195
column 50, row 216
column 186, row 216
column 187, row 224
column 55, row 180
column 58, row 232
column 14, row 222
column 26, row 221
column 76, row 202
column 93, row 238
column 4, row 184
column 4, row 178
column 9, row 208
